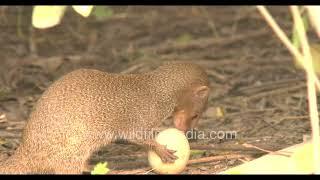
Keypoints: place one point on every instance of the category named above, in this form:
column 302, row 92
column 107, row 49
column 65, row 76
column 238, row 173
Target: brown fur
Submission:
column 87, row 109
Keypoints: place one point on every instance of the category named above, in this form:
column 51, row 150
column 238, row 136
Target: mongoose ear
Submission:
column 202, row 91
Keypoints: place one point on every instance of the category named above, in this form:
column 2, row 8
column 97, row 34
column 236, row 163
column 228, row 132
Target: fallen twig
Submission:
column 134, row 171
column 216, row 158
column 206, row 42
column 277, row 91
column 132, row 68
column 264, row 150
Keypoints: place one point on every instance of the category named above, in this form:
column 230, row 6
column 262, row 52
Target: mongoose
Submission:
column 87, row 109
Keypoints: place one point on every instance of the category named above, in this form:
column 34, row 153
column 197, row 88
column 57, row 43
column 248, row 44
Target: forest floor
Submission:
column 258, row 95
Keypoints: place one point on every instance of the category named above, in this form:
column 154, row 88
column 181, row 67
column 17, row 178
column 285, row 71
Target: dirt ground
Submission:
column 256, row 90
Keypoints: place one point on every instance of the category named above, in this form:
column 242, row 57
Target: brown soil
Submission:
column 261, row 95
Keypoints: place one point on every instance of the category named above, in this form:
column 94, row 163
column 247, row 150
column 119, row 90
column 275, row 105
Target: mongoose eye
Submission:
column 195, row 116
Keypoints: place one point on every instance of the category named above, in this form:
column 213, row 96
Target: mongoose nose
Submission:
column 182, row 128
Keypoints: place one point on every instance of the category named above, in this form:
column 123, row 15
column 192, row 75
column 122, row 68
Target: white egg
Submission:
column 174, row 139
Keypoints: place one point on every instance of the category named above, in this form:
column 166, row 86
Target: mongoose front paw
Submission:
column 166, row 155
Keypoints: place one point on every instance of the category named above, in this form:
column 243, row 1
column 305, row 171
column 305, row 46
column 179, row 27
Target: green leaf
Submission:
column 295, row 38
column 197, row 152
column 305, row 22
column 47, row 16
column 83, row 10
column 102, row 12
column 315, row 53
column 2, row 141
column 100, row 169
column 184, row 38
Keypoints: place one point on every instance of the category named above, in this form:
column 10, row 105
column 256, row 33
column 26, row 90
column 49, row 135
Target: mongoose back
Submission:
column 87, row 109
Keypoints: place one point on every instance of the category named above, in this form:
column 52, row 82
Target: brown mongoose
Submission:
column 87, row 109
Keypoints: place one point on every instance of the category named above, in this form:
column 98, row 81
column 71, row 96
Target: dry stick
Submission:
column 282, row 36
column 134, row 171
column 277, row 91
column 202, row 146
column 229, row 62
column 146, row 172
column 264, row 150
column 32, row 43
column 269, row 85
column 312, row 97
column 216, row 158
column 226, row 147
column 193, row 161
column 294, row 117
column 263, row 88
column 203, row 43
column 217, row 75
column 249, row 111
column 132, row 68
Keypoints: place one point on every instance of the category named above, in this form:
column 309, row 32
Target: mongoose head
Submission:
column 190, row 85
column 191, row 104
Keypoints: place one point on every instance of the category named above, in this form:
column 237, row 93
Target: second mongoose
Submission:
column 87, row 109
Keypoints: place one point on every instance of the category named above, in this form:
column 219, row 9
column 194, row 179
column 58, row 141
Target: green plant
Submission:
column 304, row 57
column 100, row 169
column 102, row 12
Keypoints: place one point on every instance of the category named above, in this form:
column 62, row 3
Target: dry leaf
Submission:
column 47, row 16
column 83, row 10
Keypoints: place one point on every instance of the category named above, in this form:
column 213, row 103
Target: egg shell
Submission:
column 174, row 139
